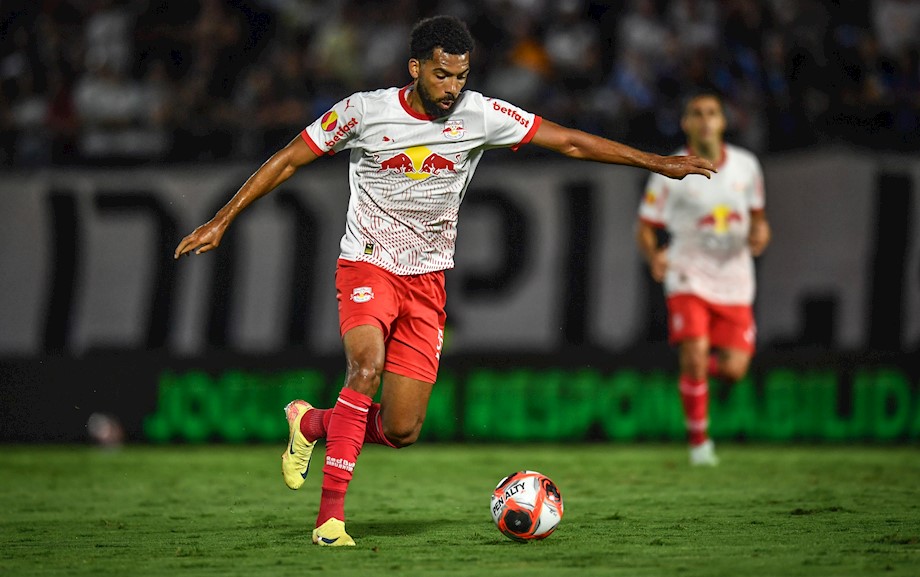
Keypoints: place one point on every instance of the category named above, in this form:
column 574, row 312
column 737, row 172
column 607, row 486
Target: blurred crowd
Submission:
column 127, row 81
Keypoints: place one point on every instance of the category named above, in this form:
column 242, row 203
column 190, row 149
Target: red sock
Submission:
column 694, row 394
column 714, row 366
column 316, row 422
column 344, row 437
column 331, row 504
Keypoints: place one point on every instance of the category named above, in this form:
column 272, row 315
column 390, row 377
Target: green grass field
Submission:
column 629, row 510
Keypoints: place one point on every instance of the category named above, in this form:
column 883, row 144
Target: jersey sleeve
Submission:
column 756, row 198
column 339, row 128
column 652, row 211
column 507, row 125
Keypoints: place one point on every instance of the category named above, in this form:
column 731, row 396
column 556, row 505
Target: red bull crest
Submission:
column 453, row 129
column 362, row 294
column 720, row 219
column 418, row 163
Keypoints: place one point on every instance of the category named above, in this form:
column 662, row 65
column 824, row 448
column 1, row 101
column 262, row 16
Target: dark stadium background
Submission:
column 124, row 124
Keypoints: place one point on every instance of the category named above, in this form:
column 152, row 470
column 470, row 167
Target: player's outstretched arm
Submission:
column 583, row 146
column 280, row 167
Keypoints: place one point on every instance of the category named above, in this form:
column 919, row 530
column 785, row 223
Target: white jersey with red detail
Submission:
column 408, row 172
column 709, row 220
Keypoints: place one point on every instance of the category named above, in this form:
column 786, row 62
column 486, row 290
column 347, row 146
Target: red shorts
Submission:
column 726, row 326
column 408, row 309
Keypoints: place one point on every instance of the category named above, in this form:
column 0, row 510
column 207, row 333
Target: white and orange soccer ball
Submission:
column 526, row 506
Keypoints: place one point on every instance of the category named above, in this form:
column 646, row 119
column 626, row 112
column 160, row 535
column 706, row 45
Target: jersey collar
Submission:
column 403, row 93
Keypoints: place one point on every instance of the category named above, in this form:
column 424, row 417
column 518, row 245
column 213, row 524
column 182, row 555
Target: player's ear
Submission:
column 414, row 68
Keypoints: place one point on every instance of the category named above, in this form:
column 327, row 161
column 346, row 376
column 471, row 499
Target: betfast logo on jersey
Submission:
column 510, row 112
column 418, row 163
column 330, row 121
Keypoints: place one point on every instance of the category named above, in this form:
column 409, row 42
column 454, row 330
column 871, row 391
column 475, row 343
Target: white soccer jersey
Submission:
column 709, row 220
column 408, row 172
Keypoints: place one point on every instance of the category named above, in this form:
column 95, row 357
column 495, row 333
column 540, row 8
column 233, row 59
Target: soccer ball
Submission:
column 526, row 505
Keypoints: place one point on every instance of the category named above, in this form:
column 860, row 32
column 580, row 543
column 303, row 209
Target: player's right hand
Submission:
column 658, row 264
column 678, row 167
column 204, row 238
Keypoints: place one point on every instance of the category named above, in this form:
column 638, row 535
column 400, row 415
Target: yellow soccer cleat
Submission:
column 295, row 460
column 332, row 534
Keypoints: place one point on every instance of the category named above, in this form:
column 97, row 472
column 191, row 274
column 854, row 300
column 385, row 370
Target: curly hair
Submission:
column 447, row 32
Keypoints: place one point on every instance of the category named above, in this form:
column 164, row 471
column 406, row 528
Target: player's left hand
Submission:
column 204, row 238
column 678, row 167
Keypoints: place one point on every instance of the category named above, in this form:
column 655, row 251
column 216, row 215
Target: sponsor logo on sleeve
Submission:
column 329, row 121
column 342, row 132
column 513, row 113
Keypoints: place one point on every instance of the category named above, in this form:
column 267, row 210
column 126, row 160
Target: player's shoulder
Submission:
column 741, row 155
column 482, row 101
column 378, row 95
column 472, row 100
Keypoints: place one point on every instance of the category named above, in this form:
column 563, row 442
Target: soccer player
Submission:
column 413, row 151
column 716, row 227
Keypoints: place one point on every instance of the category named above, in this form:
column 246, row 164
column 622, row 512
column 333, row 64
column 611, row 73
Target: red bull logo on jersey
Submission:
column 720, row 219
column 418, row 163
column 453, row 130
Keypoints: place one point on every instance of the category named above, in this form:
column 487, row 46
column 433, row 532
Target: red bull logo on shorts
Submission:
column 720, row 219
column 418, row 163
column 362, row 294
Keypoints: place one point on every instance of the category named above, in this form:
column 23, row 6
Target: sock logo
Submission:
column 343, row 464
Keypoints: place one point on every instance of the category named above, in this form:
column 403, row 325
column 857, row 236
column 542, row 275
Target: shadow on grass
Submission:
column 402, row 527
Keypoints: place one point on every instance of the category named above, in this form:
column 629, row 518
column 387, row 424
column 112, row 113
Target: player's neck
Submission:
column 415, row 101
column 714, row 152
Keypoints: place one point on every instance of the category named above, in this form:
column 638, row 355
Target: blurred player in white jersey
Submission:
column 716, row 227
column 413, row 151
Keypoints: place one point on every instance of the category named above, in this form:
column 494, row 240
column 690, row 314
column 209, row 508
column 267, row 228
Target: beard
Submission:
column 431, row 105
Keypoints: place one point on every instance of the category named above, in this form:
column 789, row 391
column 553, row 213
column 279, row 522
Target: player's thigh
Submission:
column 414, row 344
column 367, row 295
column 403, row 406
column 688, row 318
column 732, row 327
column 693, row 353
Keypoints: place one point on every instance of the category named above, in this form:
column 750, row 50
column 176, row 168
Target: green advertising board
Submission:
column 780, row 404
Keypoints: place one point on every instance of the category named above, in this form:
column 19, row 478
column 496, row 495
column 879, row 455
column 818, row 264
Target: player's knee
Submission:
column 402, row 434
column 695, row 366
column 694, row 359
column 364, row 376
column 734, row 371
